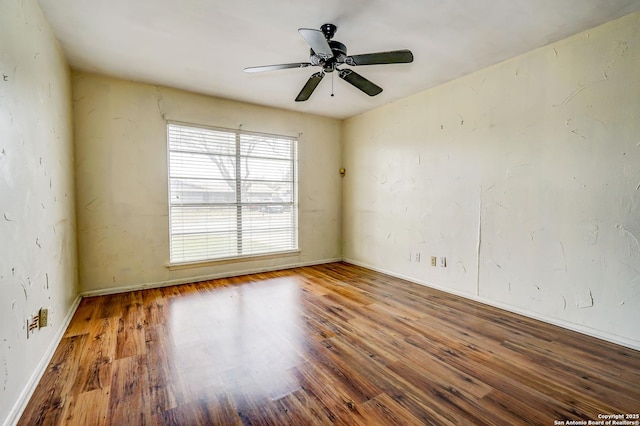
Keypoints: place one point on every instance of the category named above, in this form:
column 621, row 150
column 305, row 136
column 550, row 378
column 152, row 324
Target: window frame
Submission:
column 239, row 204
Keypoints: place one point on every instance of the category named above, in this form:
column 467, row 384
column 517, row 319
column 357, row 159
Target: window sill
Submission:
column 227, row 260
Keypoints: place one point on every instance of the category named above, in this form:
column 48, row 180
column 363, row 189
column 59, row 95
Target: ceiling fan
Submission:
column 329, row 54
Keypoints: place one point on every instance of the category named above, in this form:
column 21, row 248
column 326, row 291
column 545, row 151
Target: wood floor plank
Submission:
column 252, row 404
column 200, row 412
column 165, row 381
column 131, row 338
column 303, row 408
column 94, row 367
column 383, row 410
column 50, row 404
column 339, row 404
column 89, row 408
column 130, row 400
column 517, row 410
column 323, row 345
column 84, row 317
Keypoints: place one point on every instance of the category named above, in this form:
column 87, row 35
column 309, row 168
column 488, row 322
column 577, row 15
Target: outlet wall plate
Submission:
column 44, row 317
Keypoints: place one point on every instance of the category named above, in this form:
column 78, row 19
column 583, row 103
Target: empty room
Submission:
column 291, row 213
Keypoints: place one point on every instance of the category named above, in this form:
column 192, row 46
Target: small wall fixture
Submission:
column 342, row 172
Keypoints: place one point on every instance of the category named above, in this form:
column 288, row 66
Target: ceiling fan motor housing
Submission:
column 339, row 51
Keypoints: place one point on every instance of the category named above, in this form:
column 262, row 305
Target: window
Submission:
column 231, row 193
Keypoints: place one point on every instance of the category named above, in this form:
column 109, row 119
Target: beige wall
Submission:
column 525, row 176
column 37, row 213
column 121, row 151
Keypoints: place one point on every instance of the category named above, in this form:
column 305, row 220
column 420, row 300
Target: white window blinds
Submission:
column 231, row 193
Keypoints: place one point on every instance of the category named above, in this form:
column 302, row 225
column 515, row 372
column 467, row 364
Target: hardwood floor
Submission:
column 321, row 345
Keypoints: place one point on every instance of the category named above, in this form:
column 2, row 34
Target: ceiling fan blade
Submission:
column 393, row 57
column 360, row 82
column 277, row 67
column 310, row 86
column 317, row 41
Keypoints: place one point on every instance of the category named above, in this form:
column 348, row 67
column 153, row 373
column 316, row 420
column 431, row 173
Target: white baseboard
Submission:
column 618, row 340
column 142, row 286
column 30, row 387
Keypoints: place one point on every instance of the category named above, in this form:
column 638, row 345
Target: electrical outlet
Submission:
column 433, row 261
column 417, row 257
column 44, row 317
column 443, row 262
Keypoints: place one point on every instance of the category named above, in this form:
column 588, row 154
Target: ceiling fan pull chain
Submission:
column 332, row 78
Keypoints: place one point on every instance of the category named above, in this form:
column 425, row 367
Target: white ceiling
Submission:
column 204, row 45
